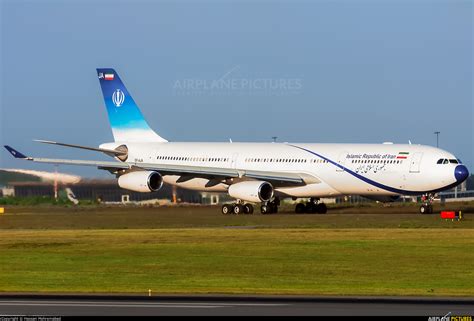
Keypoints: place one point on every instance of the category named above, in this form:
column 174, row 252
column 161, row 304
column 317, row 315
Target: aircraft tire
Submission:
column 423, row 209
column 248, row 209
column 321, row 208
column 311, row 208
column 238, row 209
column 226, row 209
column 300, row 208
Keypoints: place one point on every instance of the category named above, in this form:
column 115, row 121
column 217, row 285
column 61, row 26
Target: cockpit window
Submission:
column 459, row 161
column 447, row 161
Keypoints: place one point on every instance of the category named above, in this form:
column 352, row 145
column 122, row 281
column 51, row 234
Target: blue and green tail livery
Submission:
column 126, row 119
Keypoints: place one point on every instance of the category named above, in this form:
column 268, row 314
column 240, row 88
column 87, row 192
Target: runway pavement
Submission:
column 227, row 305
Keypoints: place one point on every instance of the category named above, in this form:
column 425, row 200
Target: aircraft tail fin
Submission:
column 126, row 119
column 15, row 153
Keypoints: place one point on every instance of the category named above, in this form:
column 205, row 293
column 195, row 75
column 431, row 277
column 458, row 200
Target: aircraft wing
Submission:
column 278, row 179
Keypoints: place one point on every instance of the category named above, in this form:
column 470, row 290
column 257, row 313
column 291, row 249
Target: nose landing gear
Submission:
column 427, row 203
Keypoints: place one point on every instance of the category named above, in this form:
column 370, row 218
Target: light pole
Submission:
column 437, row 138
column 56, row 182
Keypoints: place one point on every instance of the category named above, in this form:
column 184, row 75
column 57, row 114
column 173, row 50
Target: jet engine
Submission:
column 251, row 191
column 142, row 181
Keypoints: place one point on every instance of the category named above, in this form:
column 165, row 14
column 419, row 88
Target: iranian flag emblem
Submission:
column 402, row 155
column 109, row 76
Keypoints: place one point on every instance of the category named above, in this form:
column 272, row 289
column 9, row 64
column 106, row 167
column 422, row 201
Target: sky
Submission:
column 303, row 71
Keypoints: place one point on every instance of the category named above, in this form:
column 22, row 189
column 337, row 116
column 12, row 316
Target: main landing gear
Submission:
column 240, row 208
column 270, row 207
column 311, row 207
column 237, row 209
column 426, row 206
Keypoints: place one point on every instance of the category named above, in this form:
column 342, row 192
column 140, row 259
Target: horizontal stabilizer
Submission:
column 111, row 152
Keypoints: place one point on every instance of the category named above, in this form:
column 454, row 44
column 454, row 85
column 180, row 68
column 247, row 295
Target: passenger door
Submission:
column 415, row 162
column 234, row 160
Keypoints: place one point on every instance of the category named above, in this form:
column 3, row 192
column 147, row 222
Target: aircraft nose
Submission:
column 461, row 173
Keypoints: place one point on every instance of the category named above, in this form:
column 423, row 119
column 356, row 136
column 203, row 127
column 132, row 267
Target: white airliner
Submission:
column 262, row 173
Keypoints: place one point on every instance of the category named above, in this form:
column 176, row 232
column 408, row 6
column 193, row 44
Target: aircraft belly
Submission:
column 310, row 190
column 197, row 184
column 347, row 184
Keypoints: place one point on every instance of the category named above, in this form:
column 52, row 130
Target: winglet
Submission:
column 15, row 153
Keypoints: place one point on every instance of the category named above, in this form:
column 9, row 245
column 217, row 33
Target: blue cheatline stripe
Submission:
column 374, row 183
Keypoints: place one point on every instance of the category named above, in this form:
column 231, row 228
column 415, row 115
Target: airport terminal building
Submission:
column 106, row 191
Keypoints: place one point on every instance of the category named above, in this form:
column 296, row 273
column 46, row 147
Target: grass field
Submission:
column 198, row 250
column 373, row 216
column 290, row 261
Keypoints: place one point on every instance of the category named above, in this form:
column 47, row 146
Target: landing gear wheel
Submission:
column 238, row 209
column 311, row 208
column 424, row 209
column 427, row 203
column 300, row 208
column 273, row 208
column 226, row 209
column 248, row 209
column 321, row 208
column 265, row 209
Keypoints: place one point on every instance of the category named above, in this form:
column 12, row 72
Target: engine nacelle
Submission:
column 142, row 181
column 251, row 191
